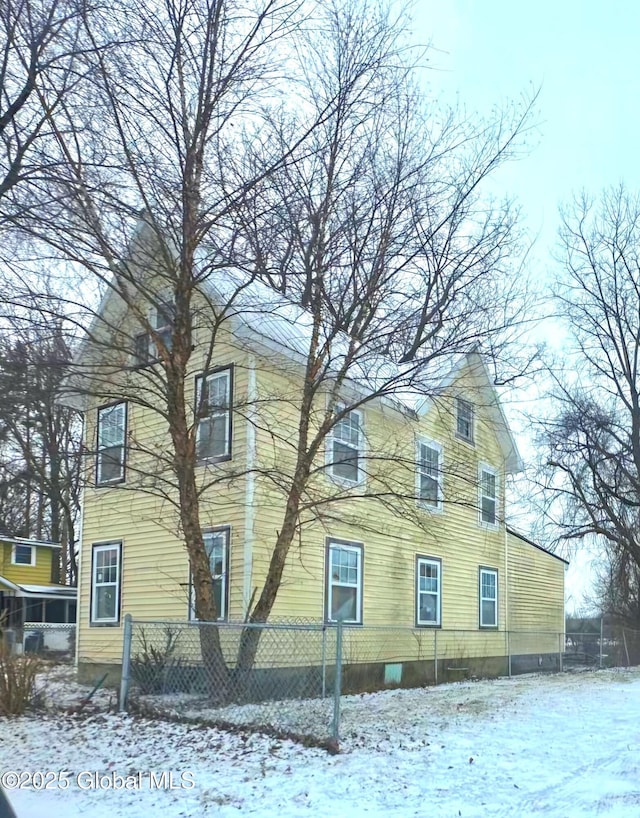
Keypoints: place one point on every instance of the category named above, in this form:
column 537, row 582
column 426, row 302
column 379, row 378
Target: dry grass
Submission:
column 17, row 682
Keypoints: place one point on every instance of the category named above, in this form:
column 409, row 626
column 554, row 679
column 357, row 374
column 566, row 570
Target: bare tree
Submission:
column 593, row 439
column 40, row 441
column 232, row 160
column 150, row 179
column 39, row 62
column 380, row 234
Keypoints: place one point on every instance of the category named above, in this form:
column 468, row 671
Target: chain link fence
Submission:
column 275, row 677
column 602, row 643
column 288, row 678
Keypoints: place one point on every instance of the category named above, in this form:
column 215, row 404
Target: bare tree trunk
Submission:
column 215, row 666
column 250, row 639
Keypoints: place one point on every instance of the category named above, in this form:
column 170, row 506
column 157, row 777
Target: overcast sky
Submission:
column 585, row 59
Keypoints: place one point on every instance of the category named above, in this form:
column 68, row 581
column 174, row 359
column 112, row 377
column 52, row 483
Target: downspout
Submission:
column 250, row 483
column 506, row 577
column 79, row 561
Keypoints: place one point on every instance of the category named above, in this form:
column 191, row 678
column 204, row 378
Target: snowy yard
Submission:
column 563, row 745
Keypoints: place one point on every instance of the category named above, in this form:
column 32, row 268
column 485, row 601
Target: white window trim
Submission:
column 429, row 561
column 153, row 315
column 482, row 599
column 432, row 444
column 95, row 548
column 485, row 467
column 329, row 457
column 470, row 440
column 30, row 564
column 224, row 596
column 99, row 448
column 226, row 372
column 359, row 550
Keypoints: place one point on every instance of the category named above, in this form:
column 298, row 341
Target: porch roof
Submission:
column 40, row 591
column 8, row 538
column 8, row 584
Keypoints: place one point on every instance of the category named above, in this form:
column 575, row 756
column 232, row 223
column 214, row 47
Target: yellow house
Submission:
column 405, row 524
column 31, row 595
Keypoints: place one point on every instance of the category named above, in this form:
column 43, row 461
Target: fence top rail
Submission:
column 320, row 627
column 182, row 623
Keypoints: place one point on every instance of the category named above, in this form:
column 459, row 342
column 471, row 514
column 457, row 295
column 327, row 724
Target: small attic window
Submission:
column 142, row 348
column 464, row 420
column 161, row 319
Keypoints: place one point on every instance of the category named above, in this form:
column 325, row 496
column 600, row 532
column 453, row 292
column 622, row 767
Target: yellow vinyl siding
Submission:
column 155, row 572
column 154, row 564
column 38, row 574
column 391, row 541
column 536, row 587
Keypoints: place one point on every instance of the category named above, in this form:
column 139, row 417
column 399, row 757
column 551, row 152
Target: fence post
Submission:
column 560, row 652
column 435, row 656
column 626, row 649
column 126, row 661
column 601, row 640
column 337, row 685
column 324, row 661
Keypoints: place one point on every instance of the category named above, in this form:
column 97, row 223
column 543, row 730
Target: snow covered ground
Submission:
column 563, row 745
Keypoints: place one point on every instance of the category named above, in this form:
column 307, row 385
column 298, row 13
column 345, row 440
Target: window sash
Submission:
column 161, row 320
column 213, row 433
column 429, row 474
column 345, row 447
column 110, row 460
column 464, row 420
column 344, row 582
column 428, row 591
column 105, row 583
column 23, row 555
column 142, row 347
column 216, row 543
column 488, row 598
column 488, row 496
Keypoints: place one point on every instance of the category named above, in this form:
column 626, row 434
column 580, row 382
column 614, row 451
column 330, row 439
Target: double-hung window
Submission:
column 464, row 420
column 105, row 583
column 344, row 581
column 429, row 474
column 213, row 414
column 488, row 592
column 161, row 321
column 23, row 555
column 488, row 495
column 428, row 591
column 216, row 543
column 346, row 447
column 111, row 450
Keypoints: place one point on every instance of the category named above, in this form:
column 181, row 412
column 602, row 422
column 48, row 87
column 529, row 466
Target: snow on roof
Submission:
column 7, row 538
column 261, row 315
column 64, row 591
column 8, row 584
